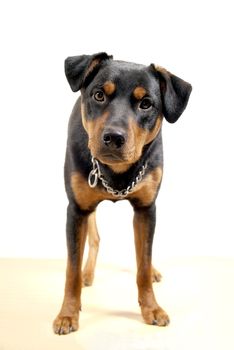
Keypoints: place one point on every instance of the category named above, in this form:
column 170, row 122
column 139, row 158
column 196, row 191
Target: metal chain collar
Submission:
column 96, row 174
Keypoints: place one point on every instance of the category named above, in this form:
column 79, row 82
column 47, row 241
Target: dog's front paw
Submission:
column 65, row 324
column 155, row 316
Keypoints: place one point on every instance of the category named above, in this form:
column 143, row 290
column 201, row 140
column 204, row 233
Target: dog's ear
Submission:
column 175, row 93
column 79, row 68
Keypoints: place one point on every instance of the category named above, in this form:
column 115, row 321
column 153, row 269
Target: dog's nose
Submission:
column 114, row 139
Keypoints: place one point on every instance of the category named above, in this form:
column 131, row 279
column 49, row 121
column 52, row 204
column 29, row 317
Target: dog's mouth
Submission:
column 107, row 155
column 110, row 158
column 118, row 163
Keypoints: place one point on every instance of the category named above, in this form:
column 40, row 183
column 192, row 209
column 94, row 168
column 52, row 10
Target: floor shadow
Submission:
column 126, row 314
column 98, row 314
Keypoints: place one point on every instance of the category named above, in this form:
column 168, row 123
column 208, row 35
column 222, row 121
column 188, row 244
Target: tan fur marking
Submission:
column 161, row 69
column 150, row 309
column 69, row 314
column 137, row 138
column 139, row 92
column 109, row 88
column 153, row 133
column 144, row 268
column 166, row 76
column 83, row 116
column 88, row 272
column 139, row 225
column 120, row 167
column 94, row 129
column 85, row 196
column 147, row 190
column 156, row 275
column 93, row 64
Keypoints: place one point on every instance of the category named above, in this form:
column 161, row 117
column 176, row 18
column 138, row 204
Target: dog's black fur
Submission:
column 118, row 121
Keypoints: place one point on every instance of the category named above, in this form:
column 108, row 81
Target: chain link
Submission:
column 96, row 174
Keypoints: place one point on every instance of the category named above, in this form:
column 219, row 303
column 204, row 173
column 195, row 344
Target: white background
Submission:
column 192, row 39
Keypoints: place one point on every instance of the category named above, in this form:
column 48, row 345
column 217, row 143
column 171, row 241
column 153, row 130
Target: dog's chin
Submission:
column 119, row 163
column 111, row 158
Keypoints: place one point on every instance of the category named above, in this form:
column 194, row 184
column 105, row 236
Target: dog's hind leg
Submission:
column 155, row 274
column 93, row 237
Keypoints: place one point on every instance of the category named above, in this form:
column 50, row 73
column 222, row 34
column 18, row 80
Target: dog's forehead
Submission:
column 126, row 74
column 125, row 66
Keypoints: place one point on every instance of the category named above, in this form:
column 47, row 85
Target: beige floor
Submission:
column 197, row 293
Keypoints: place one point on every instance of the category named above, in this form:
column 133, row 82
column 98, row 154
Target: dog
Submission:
column 114, row 152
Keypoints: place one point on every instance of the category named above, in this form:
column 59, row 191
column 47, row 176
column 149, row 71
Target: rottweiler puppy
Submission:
column 114, row 152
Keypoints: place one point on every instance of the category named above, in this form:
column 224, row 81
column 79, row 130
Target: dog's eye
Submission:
column 145, row 103
column 99, row 96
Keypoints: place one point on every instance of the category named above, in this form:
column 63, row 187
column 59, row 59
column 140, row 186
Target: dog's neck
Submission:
column 122, row 180
column 96, row 174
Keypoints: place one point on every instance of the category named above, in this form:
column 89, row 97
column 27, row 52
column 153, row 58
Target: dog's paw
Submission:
column 156, row 316
column 156, row 275
column 65, row 324
column 87, row 279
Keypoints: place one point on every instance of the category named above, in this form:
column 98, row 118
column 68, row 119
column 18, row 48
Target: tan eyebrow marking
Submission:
column 109, row 87
column 139, row 92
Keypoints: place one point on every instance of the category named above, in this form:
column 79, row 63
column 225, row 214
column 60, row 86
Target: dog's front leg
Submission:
column 67, row 319
column 144, row 225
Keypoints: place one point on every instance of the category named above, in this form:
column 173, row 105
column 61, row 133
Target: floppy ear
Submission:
column 78, row 68
column 175, row 94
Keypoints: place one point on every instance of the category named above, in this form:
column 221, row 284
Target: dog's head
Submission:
column 123, row 104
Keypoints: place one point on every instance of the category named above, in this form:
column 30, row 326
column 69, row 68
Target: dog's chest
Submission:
column 87, row 198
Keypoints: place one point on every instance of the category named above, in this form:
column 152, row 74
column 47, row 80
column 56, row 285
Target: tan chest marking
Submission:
column 87, row 198
column 154, row 132
column 146, row 191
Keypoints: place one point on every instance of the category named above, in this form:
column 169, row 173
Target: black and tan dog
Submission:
column 114, row 152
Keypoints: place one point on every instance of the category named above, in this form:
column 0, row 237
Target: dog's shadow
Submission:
column 126, row 314
column 99, row 314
